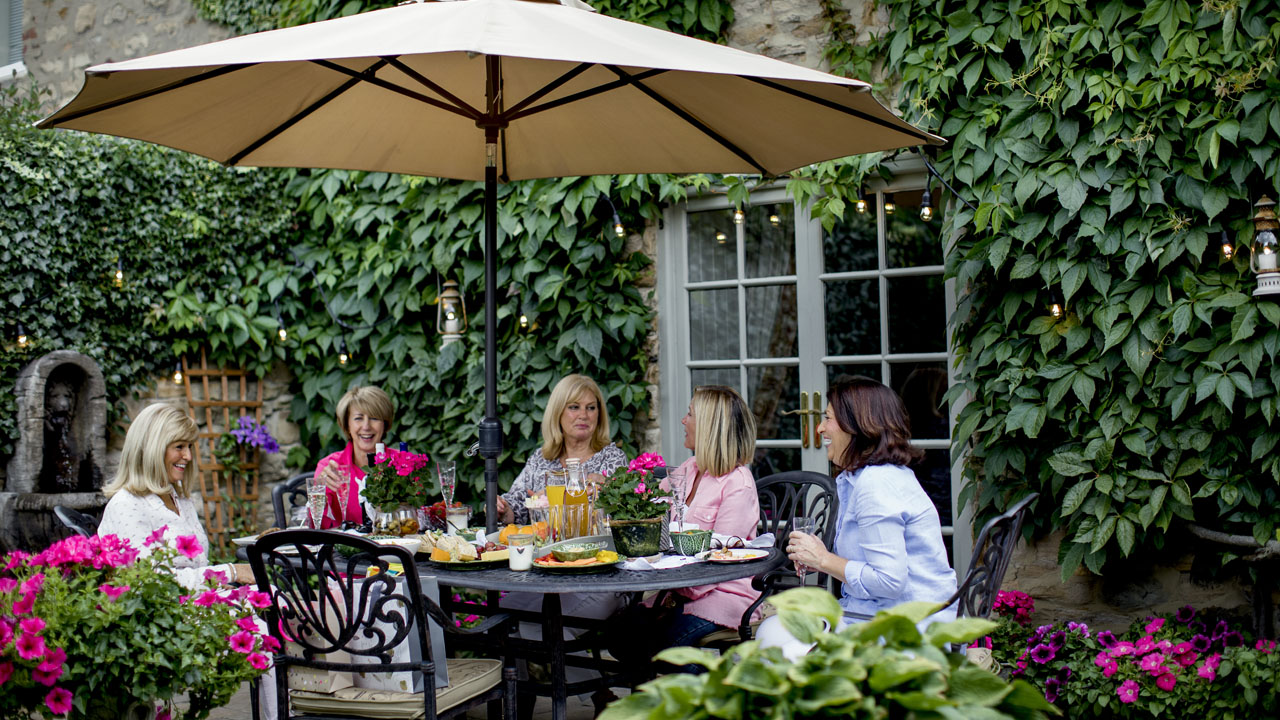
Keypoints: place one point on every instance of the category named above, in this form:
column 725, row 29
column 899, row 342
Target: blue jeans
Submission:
column 643, row 632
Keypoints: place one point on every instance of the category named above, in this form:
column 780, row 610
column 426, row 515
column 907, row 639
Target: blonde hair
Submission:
column 571, row 388
column 724, row 431
column 369, row 400
column 142, row 468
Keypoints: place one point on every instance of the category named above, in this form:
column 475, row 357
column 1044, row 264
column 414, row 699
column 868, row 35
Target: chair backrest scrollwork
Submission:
column 788, row 495
column 992, row 551
column 287, row 496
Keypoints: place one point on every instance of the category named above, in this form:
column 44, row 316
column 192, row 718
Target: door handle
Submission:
column 817, row 412
column 803, row 412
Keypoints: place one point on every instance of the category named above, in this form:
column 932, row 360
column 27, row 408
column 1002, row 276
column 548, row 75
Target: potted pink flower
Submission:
column 636, row 506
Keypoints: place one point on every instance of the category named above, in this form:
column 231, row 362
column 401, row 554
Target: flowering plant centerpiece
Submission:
column 633, row 493
column 398, row 479
column 91, row 629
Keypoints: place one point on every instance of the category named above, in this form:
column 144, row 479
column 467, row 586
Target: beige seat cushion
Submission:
column 729, row 636
column 467, row 678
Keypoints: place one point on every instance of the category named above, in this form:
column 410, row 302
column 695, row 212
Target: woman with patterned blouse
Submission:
column 575, row 425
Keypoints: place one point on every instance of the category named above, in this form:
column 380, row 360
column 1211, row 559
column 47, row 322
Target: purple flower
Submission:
column 1107, row 639
column 1064, row 673
column 1185, row 614
column 1232, row 639
column 1201, row 643
column 1043, row 653
column 1196, row 626
column 1220, row 629
column 1051, row 688
column 1057, row 640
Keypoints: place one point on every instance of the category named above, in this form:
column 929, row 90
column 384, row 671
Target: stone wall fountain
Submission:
column 62, row 416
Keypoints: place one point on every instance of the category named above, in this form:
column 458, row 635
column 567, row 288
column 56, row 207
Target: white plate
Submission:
column 737, row 555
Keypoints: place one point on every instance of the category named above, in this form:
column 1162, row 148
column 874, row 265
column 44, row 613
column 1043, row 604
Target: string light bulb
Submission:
column 926, row 206
column 23, row 339
column 177, row 373
column 738, row 216
column 721, row 238
column 1057, row 307
column 524, row 320
column 1228, row 247
column 281, row 331
column 889, row 206
column 618, row 229
column 343, row 355
column 118, row 277
column 861, row 205
column 773, row 216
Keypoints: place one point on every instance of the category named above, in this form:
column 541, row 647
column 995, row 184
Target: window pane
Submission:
column 917, row 315
column 853, row 317
column 934, row 474
column 910, row 241
column 712, row 246
column 772, row 321
column 851, row 244
column 921, row 387
column 717, row 376
column 869, row 370
column 770, row 240
column 713, row 324
column 775, row 460
column 772, row 390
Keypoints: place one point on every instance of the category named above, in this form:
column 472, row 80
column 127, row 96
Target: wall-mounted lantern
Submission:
column 1265, row 251
column 451, row 314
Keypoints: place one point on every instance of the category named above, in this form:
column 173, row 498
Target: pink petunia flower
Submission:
column 1155, row 625
column 1110, row 669
column 208, row 598
column 1166, row 682
column 259, row 599
column 46, row 679
column 59, row 701
column 270, row 644
column 1207, row 672
column 242, row 642
column 217, row 576
column 247, row 624
column 7, row 584
column 6, row 672
column 1213, row 660
column 32, row 625
column 1102, row 659
column 113, row 591
column 33, row 583
column 29, row 646
column 640, row 489
column 1153, row 663
column 163, row 714
column 1121, row 649
column 189, row 546
column 15, row 558
column 25, row 605
column 1145, row 645
column 156, row 536
column 53, row 659
column 1187, row 659
column 1266, row 646
column 259, row 661
column 1128, row 691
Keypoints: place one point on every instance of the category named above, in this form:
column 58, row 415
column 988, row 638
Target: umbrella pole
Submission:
column 491, row 426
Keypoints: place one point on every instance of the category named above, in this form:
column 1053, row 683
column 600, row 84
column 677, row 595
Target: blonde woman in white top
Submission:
column 150, row 492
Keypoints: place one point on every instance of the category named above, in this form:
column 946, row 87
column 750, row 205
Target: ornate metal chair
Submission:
column 991, row 553
column 326, row 597
column 288, row 496
column 76, row 521
column 783, row 497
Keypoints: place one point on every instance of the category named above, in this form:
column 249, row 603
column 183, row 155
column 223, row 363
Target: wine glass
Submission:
column 316, row 500
column 344, row 495
column 808, row 526
column 447, row 471
column 676, row 479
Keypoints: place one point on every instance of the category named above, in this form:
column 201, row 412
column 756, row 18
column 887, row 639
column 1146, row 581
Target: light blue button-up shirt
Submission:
column 891, row 537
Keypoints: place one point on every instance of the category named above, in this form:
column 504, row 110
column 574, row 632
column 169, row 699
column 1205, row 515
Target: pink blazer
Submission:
column 726, row 505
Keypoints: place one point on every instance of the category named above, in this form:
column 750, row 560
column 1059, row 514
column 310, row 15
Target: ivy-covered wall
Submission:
column 1107, row 146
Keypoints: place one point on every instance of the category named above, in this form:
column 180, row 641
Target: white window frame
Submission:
column 11, row 70
column 672, row 297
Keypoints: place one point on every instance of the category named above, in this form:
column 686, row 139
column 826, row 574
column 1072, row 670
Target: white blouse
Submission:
column 135, row 518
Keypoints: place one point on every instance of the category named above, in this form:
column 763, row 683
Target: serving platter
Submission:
column 563, row 569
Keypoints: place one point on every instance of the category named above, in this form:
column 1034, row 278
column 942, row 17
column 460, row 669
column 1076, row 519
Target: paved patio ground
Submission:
column 238, row 709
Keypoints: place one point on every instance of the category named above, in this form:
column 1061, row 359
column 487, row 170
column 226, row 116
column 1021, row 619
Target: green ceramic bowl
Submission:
column 691, row 542
column 576, row 551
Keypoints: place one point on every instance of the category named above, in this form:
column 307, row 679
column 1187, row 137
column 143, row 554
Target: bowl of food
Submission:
column 691, row 542
column 576, row 551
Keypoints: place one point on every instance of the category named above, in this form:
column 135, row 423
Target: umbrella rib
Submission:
column 275, row 132
column 465, row 110
column 208, row 75
column 539, row 94
column 469, row 111
column 612, row 85
column 684, row 115
column 838, row 107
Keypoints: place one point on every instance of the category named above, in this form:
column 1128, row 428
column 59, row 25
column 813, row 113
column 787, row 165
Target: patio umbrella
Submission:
column 486, row 89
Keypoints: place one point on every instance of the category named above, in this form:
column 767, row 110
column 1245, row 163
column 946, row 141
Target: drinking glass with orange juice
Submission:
column 556, row 481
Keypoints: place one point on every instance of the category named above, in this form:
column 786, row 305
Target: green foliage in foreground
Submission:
column 882, row 668
column 1107, row 147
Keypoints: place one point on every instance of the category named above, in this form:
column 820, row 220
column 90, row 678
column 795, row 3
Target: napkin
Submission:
column 667, row 562
column 764, row 541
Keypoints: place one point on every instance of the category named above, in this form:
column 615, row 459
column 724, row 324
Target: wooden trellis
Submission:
column 217, row 398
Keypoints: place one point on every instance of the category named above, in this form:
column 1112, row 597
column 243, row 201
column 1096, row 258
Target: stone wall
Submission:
column 792, row 30
column 63, row 37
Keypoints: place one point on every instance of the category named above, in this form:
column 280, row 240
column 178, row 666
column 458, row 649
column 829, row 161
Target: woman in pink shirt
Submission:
column 720, row 494
column 364, row 414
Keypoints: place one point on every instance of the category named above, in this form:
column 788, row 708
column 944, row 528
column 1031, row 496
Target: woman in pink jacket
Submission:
column 364, row 415
column 720, row 494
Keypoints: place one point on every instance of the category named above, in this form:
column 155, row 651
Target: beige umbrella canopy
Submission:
column 486, row 89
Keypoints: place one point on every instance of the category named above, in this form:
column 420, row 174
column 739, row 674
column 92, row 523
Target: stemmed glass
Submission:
column 676, row 481
column 344, row 495
column 316, row 500
column 447, row 471
column 808, row 526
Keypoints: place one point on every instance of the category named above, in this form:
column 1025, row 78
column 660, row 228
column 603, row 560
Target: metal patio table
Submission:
column 552, row 585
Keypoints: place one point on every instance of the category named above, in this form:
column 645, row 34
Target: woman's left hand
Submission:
column 597, row 480
column 806, row 549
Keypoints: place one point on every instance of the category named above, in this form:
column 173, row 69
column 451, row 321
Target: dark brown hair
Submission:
column 875, row 417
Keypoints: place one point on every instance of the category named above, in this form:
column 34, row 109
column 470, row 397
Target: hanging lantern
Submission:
column 177, row 373
column 23, row 339
column 861, row 205
column 451, row 314
column 1263, row 253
